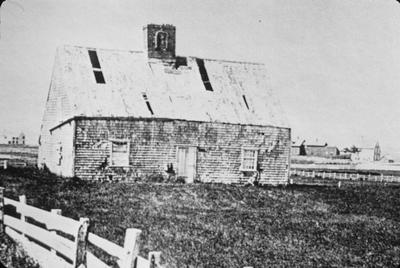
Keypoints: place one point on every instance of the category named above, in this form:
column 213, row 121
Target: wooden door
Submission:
column 187, row 159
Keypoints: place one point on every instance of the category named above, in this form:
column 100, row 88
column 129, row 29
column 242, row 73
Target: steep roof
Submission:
column 138, row 87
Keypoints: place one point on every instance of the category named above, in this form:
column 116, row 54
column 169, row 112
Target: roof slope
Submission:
column 176, row 93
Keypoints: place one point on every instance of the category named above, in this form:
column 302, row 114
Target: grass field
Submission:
column 204, row 225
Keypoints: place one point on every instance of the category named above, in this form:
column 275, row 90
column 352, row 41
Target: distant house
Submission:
column 367, row 154
column 120, row 113
column 317, row 150
column 13, row 139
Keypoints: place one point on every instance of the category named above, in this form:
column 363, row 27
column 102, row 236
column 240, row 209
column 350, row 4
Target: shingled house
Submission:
column 124, row 114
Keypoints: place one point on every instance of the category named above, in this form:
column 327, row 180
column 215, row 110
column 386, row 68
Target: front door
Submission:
column 187, row 158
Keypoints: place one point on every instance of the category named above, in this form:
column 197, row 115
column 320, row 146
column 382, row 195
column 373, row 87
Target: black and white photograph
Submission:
column 199, row 133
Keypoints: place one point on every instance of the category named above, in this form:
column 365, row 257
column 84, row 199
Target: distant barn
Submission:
column 318, row 150
column 113, row 113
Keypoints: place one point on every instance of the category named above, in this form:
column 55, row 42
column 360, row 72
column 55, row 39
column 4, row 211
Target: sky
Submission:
column 333, row 64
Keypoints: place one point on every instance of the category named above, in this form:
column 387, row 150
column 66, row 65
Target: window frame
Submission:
column 255, row 160
column 112, row 141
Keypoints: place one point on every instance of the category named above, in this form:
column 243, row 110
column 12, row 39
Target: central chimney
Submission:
column 160, row 41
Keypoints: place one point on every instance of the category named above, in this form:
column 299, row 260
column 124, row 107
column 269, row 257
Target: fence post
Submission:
column 57, row 212
column 80, row 243
column 155, row 259
column 1, row 209
column 22, row 200
column 131, row 246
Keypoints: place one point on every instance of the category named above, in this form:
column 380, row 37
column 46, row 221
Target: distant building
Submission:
column 316, row 150
column 367, row 154
column 113, row 113
column 13, row 139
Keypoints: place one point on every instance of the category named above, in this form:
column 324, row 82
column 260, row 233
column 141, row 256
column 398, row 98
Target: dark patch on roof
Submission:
column 204, row 75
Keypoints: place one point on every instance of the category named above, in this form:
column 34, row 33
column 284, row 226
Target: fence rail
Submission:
column 344, row 175
column 57, row 241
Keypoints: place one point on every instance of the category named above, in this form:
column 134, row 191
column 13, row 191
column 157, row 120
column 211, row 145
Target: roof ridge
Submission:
column 97, row 48
column 137, row 51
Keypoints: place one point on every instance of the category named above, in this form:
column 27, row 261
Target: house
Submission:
column 13, row 139
column 319, row 150
column 127, row 113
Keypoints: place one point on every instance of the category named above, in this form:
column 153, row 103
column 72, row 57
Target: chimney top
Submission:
column 160, row 41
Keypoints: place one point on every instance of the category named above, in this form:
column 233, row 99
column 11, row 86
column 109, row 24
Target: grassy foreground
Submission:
column 204, row 225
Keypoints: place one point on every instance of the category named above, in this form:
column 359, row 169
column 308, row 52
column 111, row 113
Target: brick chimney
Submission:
column 159, row 41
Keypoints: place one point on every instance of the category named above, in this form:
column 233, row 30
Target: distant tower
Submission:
column 377, row 152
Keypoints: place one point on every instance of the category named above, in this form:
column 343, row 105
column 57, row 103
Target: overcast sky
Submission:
column 334, row 64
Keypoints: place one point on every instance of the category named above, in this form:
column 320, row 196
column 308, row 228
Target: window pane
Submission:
column 99, row 77
column 94, row 59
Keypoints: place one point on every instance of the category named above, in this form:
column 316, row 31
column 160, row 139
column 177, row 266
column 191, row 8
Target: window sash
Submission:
column 249, row 159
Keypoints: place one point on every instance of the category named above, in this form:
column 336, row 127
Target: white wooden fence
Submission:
column 62, row 242
column 344, row 175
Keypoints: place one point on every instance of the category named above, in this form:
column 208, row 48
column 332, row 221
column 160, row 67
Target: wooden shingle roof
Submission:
column 135, row 86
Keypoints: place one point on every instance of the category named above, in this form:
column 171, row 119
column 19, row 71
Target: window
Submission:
column 204, row 75
column 94, row 60
column 119, row 153
column 249, row 160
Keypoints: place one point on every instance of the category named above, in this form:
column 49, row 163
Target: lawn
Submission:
column 213, row 225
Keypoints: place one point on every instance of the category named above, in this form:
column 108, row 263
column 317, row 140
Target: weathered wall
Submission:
column 62, row 154
column 57, row 109
column 153, row 145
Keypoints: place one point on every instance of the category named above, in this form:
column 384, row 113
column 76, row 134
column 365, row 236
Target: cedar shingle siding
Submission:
column 154, row 143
